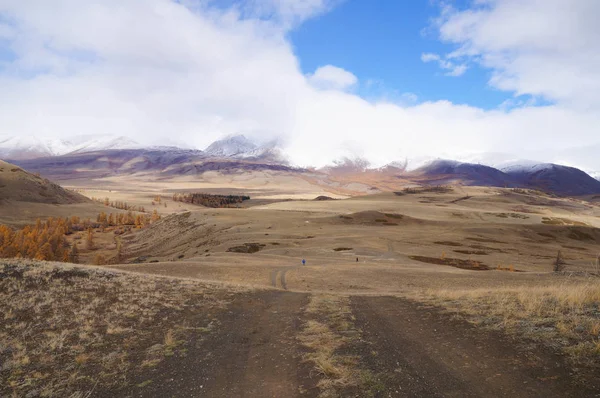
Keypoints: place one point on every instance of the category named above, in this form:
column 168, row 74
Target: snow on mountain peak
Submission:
column 29, row 147
column 231, row 146
column 524, row 166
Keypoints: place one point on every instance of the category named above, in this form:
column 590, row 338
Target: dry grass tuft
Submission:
column 565, row 315
column 66, row 330
column 327, row 331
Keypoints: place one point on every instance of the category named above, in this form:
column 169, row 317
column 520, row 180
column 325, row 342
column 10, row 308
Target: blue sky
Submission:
column 194, row 71
column 383, row 41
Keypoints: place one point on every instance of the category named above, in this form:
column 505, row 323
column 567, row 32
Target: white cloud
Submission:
column 429, row 57
column 547, row 48
column 289, row 12
column 451, row 68
column 456, row 70
column 332, row 77
column 151, row 69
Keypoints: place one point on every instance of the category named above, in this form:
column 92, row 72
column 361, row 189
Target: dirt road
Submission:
column 281, row 272
column 422, row 352
column 252, row 352
column 414, row 351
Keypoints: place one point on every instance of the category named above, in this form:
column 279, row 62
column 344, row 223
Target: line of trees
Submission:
column 138, row 220
column 209, row 200
column 119, row 205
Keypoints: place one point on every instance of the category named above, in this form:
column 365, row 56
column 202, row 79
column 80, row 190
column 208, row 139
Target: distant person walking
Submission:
column 356, row 259
column 303, row 262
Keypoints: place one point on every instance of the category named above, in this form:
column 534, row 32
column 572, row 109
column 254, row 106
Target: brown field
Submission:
column 450, row 286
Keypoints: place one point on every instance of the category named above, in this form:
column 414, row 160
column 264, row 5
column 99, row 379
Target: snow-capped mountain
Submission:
column 236, row 145
column 240, row 147
column 523, row 166
column 31, row 147
column 553, row 178
column 445, row 171
column 102, row 143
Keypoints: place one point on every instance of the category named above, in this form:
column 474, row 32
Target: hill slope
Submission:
column 554, row 178
column 449, row 171
column 19, row 185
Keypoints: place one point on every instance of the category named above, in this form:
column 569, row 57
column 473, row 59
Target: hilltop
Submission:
column 19, row 185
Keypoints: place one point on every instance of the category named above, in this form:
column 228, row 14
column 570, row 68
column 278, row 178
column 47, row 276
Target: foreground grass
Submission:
column 564, row 316
column 328, row 331
column 67, row 331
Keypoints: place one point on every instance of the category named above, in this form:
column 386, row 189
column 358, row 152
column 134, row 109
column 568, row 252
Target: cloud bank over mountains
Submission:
column 194, row 71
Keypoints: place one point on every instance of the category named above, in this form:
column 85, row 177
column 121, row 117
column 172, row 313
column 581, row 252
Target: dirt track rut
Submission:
column 252, row 353
column 281, row 272
column 425, row 353
column 413, row 350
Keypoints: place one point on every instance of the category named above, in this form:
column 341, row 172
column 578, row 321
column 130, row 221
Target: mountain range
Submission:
column 98, row 157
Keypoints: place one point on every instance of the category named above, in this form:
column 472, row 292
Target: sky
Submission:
column 382, row 80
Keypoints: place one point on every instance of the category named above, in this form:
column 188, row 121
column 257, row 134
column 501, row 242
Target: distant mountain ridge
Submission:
column 555, row 178
column 549, row 177
column 31, row 147
column 108, row 155
column 447, row 171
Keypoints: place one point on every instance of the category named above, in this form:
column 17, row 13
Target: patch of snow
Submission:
column 525, row 166
column 231, row 146
column 103, row 143
column 24, row 147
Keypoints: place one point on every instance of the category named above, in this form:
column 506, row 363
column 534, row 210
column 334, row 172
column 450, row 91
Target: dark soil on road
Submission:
column 408, row 349
column 419, row 351
column 252, row 352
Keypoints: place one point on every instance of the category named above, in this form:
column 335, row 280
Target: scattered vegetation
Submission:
column 510, row 268
column 512, row 215
column 564, row 315
column 485, row 240
column 476, row 252
column 47, row 240
column 579, row 234
column 433, row 189
column 453, row 262
column 467, row 197
column 559, row 264
column 533, row 192
column 119, row 205
column 447, row 243
column 323, row 197
column 562, row 221
column 138, row 220
column 208, row 200
column 69, row 332
column 328, row 330
column 247, row 248
column 341, row 249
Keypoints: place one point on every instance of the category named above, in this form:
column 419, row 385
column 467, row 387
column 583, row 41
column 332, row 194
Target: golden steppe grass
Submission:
column 327, row 334
column 563, row 315
column 65, row 330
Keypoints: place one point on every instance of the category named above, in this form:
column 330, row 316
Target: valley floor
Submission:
column 448, row 293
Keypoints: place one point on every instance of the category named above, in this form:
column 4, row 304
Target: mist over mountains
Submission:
column 109, row 155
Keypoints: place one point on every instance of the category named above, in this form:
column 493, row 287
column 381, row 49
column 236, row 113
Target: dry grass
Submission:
column 328, row 329
column 565, row 315
column 66, row 330
column 562, row 221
